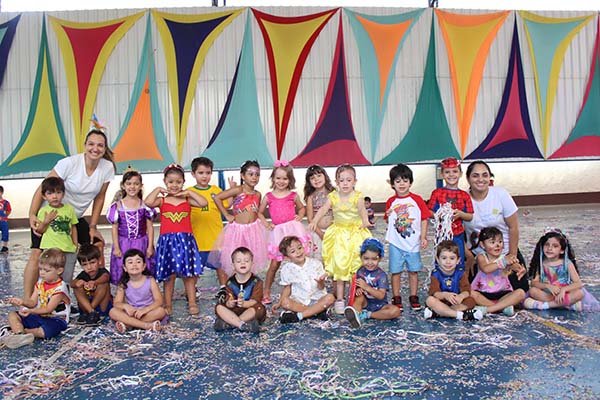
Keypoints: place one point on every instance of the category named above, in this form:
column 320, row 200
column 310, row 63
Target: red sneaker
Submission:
column 414, row 303
column 397, row 301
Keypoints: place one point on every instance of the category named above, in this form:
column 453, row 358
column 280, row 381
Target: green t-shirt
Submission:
column 58, row 233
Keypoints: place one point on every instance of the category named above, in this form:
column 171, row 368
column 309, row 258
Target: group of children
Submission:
column 336, row 244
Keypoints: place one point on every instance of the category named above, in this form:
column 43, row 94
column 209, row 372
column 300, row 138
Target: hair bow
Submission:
column 281, row 163
column 450, row 162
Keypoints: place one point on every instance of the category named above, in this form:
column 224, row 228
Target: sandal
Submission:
column 266, row 300
column 121, row 327
column 169, row 310
column 193, row 309
column 155, row 326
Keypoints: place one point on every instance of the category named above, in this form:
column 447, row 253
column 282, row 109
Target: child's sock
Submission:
column 483, row 309
column 577, row 306
column 241, row 324
column 459, row 315
column 368, row 314
column 300, row 316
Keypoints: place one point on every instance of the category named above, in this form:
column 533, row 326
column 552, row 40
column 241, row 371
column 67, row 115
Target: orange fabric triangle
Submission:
column 135, row 143
column 385, row 38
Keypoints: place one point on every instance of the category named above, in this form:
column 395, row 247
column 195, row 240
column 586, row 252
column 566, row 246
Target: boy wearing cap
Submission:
column 459, row 200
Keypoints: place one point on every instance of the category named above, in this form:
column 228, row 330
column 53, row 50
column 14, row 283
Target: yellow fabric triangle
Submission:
column 44, row 136
column 468, row 39
column 82, row 109
column 288, row 41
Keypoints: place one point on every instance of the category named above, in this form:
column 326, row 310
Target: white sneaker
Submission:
column 16, row 341
column 427, row 313
column 509, row 311
column 338, row 307
column 5, row 331
column 352, row 317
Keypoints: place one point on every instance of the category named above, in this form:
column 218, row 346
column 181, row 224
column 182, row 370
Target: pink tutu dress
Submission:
column 283, row 216
column 234, row 235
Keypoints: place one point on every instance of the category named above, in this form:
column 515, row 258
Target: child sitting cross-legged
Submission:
column 449, row 290
column 91, row 287
column 372, row 285
column 46, row 313
column 242, row 307
column 303, row 280
column 138, row 301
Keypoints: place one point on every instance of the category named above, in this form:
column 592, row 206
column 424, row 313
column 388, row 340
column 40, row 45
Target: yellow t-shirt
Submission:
column 206, row 221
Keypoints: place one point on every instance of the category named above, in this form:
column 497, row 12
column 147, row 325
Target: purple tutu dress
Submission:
column 132, row 234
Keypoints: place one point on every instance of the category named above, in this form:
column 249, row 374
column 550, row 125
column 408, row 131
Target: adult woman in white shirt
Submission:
column 493, row 206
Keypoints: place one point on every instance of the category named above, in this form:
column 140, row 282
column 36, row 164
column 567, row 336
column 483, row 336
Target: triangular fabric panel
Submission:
column 288, row 41
column 428, row 137
column 584, row 140
column 85, row 49
column 333, row 142
column 240, row 122
column 379, row 40
column 43, row 141
column 511, row 135
column 186, row 40
column 143, row 122
column 548, row 40
column 468, row 40
column 7, row 33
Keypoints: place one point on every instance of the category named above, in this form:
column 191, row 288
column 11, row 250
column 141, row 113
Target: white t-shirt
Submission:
column 303, row 280
column 489, row 212
column 81, row 189
column 404, row 221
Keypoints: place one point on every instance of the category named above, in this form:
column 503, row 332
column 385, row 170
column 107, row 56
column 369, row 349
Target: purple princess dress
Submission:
column 131, row 224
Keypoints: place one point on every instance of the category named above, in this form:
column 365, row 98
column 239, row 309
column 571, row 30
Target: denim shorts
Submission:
column 52, row 326
column 401, row 260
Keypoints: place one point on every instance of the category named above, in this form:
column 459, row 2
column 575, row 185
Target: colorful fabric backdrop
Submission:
column 379, row 86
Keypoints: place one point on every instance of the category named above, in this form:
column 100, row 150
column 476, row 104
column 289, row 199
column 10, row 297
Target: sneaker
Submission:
column 74, row 310
column 339, row 307
column 509, row 311
column 288, row 317
column 429, row 313
column 221, row 295
column 16, row 341
column 5, row 331
column 4, row 249
column 576, row 306
column 82, row 319
column 397, row 301
column 221, row 325
column 363, row 316
column 93, row 319
column 414, row 303
column 472, row 315
column 352, row 317
column 483, row 310
column 250, row 326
